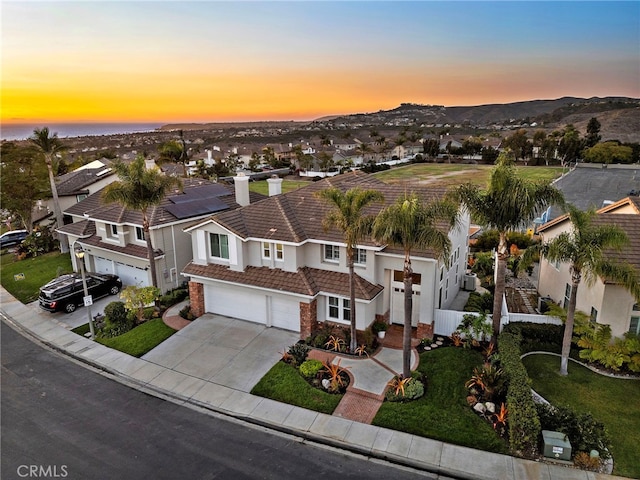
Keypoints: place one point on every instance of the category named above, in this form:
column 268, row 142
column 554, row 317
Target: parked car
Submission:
column 66, row 292
column 13, row 237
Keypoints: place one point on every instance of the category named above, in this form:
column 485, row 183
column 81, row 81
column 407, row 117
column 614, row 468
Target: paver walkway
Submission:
column 172, row 316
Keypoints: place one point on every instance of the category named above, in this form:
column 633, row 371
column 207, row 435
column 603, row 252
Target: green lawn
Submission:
column 262, row 186
column 455, row 174
column 442, row 413
column 37, row 271
column 614, row 402
column 138, row 341
column 284, row 384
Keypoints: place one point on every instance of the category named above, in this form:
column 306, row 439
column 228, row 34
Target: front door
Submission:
column 397, row 298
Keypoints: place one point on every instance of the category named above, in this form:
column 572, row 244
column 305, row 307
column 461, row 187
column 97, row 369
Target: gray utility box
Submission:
column 556, row 445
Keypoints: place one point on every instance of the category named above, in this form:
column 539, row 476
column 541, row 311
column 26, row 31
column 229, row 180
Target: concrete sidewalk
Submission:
column 213, row 364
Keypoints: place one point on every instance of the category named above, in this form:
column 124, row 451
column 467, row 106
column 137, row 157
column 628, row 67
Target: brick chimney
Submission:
column 241, row 182
column 275, row 185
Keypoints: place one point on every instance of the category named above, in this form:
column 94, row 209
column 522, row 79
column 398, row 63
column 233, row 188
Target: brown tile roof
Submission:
column 297, row 216
column 129, row 249
column 73, row 183
column 630, row 223
column 306, row 281
column 83, row 228
column 94, row 207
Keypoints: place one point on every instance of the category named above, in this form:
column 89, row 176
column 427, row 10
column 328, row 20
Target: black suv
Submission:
column 66, row 292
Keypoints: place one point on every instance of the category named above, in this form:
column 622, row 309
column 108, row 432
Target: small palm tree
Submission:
column 410, row 224
column 584, row 249
column 139, row 189
column 347, row 215
column 509, row 203
column 50, row 146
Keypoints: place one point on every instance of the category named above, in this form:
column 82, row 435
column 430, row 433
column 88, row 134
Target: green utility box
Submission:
column 556, row 445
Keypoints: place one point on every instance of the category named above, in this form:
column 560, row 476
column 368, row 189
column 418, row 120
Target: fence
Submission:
column 446, row 321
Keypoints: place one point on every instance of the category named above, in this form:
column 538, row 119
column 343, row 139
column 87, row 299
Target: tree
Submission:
column 608, row 152
column 23, row 180
column 362, row 149
column 411, row 224
column 509, row 203
column 50, row 146
column 593, row 133
column 570, row 145
column 139, row 188
column 172, row 151
column 584, row 248
column 347, row 215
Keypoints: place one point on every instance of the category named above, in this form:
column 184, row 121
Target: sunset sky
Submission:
column 122, row 61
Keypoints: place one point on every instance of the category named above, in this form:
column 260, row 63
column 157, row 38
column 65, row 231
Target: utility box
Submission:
column 556, row 445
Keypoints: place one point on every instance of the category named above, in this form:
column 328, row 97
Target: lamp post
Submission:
column 77, row 249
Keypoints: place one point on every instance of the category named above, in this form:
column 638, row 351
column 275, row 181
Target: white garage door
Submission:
column 132, row 275
column 285, row 313
column 231, row 303
column 102, row 265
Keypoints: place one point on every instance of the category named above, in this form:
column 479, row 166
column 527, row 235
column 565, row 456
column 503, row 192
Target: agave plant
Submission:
column 334, row 371
column 335, row 343
column 500, row 418
column 488, row 379
column 398, row 383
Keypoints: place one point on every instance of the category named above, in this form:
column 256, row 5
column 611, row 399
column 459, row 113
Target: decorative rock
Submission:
column 479, row 408
column 491, row 407
column 326, row 383
column 427, row 348
column 439, row 342
column 440, row 339
column 434, row 345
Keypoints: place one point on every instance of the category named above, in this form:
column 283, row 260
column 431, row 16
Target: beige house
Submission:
column 114, row 240
column 273, row 263
column 606, row 302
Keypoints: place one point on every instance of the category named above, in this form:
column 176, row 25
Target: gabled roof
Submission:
column 171, row 209
column 297, row 216
column 75, row 182
column 306, row 281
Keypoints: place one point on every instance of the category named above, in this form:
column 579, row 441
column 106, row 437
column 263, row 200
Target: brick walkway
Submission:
column 172, row 318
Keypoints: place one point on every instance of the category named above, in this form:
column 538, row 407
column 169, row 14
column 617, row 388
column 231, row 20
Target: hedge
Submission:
column 524, row 424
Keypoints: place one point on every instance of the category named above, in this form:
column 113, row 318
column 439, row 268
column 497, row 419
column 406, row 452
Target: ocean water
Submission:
column 24, row 131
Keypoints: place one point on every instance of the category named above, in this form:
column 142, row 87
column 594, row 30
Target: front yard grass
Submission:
column 614, row 402
column 442, row 413
column 284, row 384
column 138, row 341
column 37, row 271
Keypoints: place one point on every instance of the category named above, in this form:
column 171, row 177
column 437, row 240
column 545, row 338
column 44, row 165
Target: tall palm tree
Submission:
column 509, row 203
column 50, row 146
column 347, row 215
column 410, row 224
column 584, row 248
column 139, row 189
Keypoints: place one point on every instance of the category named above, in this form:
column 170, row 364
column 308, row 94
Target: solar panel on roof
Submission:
column 211, row 190
column 196, row 207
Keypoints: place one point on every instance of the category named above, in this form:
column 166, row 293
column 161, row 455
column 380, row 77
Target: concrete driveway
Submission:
column 80, row 316
column 222, row 350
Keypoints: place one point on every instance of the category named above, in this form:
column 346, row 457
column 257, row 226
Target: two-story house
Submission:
column 115, row 242
column 273, row 263
column 606, row 302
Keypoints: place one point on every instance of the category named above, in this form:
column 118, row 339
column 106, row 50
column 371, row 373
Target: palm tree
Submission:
column 139, row 189
column 410, row 224
column 347, row 215
column 509, row 203
column 584, row 249
column 50, row 146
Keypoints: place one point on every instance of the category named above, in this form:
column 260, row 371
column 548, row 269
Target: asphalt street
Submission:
column 62, row 420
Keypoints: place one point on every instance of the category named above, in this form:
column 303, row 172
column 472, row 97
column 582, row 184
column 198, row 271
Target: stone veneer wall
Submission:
column 308, row 318
column 196, row 298
column 424, row 330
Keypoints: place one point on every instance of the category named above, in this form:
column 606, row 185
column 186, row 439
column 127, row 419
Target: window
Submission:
column 219, row 245
column 567, row 296
column 634, row 327
column 332, row 253
column 339, row 309
column 140, row 234
column 594, row 315
column 360, row 256
column 81, row 197
column 112, row 230
column 279, row 251
column 266, row 250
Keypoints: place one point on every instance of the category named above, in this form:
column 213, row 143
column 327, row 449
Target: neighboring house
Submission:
column 114, row 240
column 74, row 187
column 272, row 263
column 606, row 302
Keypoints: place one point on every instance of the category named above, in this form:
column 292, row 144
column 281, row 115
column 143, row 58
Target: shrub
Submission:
column 310, row 368
column 586, row 462
column 488, row 380
column 405, row 389
column 537, row 336
column 38, row 242
column 479, row 302
column 584, row 432
column 524, row 424
column 116, row 320
column 173, row 296
column 186, row 313
column 299, row 352
column 116, row 312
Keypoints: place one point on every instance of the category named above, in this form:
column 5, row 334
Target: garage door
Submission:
column 285, row 313
column 132, row 275
column 102, row 265
column 232, row 303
